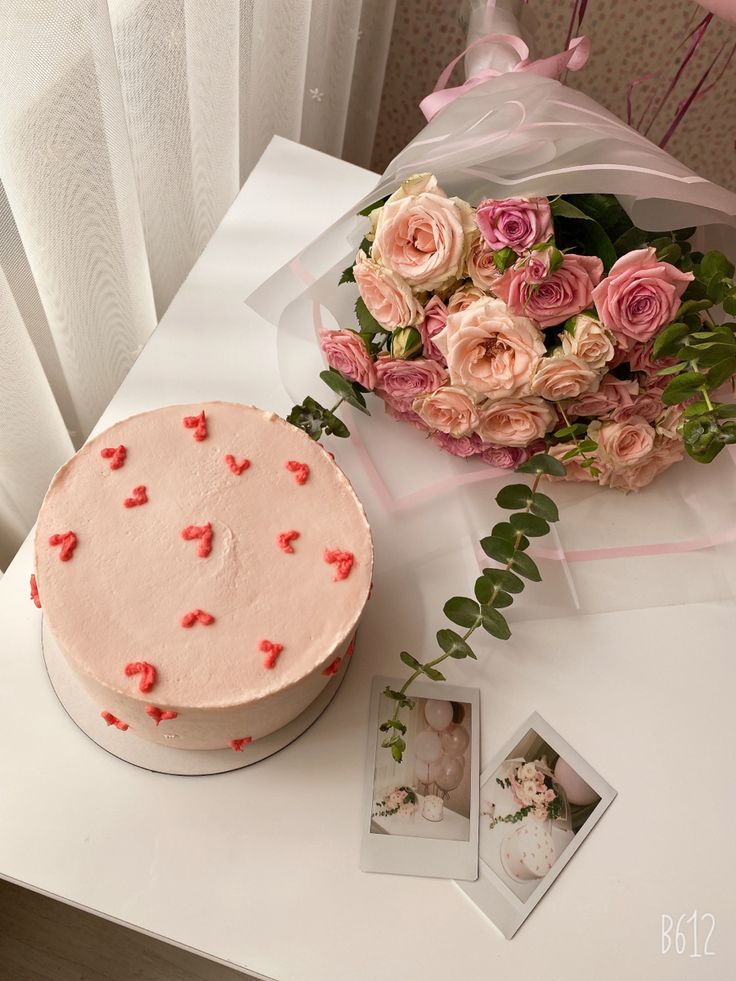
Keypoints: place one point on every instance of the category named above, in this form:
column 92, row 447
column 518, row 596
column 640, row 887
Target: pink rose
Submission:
column 394, row 410
column 504, row 457
column 516, row 422
column 389, row 299
column 640, row 359
column 647, row 404
column 462, row 298
column 481, row 267
column 621, row 444
column 640, row 294
column 643, row 472
column 563, row 377
column 574, row 470
column 516, row 223
column 462, row 446
column 435, row 319
column 346, row 353
column 568, row 290
column 586, row 338
column 491, row 351
column 538, row 264
column 404, row 381
column 423, row 235
column 450, row 409
column 613, row 393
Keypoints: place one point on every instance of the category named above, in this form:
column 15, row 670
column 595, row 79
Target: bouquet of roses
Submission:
column 529, row 325
column 533, row 790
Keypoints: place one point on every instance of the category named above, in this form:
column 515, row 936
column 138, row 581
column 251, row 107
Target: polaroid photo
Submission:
column 538, row 800
column 420, row 816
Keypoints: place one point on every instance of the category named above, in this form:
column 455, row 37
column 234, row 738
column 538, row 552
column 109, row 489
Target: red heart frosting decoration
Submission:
column 189, row 619
column 333, row 668
column 116, row 455
column 34, row 592
column 158, row 715
column 271, row 651
column 198, row 424
column 284, row 540
column 343, row 560
column 351, row 646
column 112, row 720
column 300, row 471
column 237, row 744
column 203, row 533
column 68, row 542
column 147, row 672
column 237, row 468
column 139, row 497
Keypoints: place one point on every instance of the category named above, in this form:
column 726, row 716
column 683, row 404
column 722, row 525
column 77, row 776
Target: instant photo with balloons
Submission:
column 422, row 818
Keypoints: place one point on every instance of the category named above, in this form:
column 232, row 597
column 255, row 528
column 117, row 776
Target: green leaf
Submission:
column 574, row 229
column 718, row 288
column 453, row 644
column 405, row 343
column 721, row 372
column 504, row 258
column 335, row 426
column 433, row 674
column 669, row 340
column 633, row 238
column 671, row 252
column 673, row 369
column 344, row 388
column 682, row 387
column 365, row 212
column 392, row 724
column 543, row 463
column 514, row 496
column 605, row 209
column 368, row 323
column 695, row 409
column 693, row 306
column 577, row 429
column 495, row 623
column 545, row 507
column 462, row 610
column 410, row 661
column 683, row 234
column 526, row 566
column 715, row 263
column 402, row 700
column 503, row 579
column 729, row 303
column 499, row 549
column 397, row 750
column 505, row 530
column 347, row 276
column 529, row 524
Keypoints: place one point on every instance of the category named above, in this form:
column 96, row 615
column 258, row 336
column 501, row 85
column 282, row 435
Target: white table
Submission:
column 452, row 826
column 259, row 868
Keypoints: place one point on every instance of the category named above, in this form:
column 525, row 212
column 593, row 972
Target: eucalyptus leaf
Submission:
column 410, row 661
column 499, row 549
column 462, row 610
column 669, row 340
column 344, row 388
column 504, row 580
column 526, row 567
column 682, row 387
column 453, row 644
column 514, row 496
column 545, row 507
column 529, row 524
column 543, row 463
column 495, row 623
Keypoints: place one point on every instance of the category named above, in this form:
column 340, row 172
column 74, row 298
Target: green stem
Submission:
column 706, row 397
column 496, row 589
column 573, row 437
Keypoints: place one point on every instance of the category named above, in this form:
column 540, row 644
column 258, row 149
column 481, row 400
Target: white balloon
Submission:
column 422, row 772
column 438, row 714
column 447, row 772
column 428, row 747
column 576, row 789
column 455, row 740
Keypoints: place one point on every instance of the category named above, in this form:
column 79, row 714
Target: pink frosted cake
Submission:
column 202, row 568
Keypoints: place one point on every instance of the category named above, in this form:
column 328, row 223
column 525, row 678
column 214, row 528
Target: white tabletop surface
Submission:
column 259, row 868
column 452, row 826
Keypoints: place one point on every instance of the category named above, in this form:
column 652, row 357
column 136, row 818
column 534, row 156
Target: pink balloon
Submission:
column 447, row 772
column 721, row 8
column 576, row 789
column 455, row 740
column 427, row 746
column 438, row 714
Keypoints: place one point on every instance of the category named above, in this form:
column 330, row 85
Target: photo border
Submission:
column 433, row 857
column 489, row 893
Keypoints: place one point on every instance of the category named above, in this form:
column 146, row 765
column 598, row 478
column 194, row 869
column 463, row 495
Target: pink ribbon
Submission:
column 574, row 57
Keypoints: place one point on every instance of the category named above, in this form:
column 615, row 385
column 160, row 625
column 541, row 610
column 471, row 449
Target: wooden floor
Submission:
column 44, row 940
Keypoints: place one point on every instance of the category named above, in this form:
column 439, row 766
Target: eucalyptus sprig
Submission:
column 316, row 420
column 494, row 589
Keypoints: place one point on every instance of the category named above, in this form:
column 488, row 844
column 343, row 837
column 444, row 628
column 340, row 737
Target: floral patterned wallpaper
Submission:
column 631, row 38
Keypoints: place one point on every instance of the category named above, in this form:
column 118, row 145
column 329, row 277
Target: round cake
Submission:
column 202, row 568
column 529, row 852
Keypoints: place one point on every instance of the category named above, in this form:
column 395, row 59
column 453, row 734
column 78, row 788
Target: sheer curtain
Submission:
column 126, row 129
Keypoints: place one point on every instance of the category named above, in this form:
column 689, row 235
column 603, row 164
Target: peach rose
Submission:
column 574, row 470
column 621, row 444
column 481, row 267
column 462, row 298
column 567, row 291
column 404, row 381
column 516, row 422
column 589, row 340
column 346, row 353
column 614, row 393
column 643, row 472
column 388, row 298
column 422, row 235
column 516, row 223
column 435, row 319
column 640, row 294
column 491, row 351
column 563, row 377
column 450, row 410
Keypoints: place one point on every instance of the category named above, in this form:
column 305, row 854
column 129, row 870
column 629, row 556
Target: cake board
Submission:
column 130, row 748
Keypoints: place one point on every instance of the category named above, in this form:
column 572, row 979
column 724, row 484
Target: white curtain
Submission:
column 126, row 129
